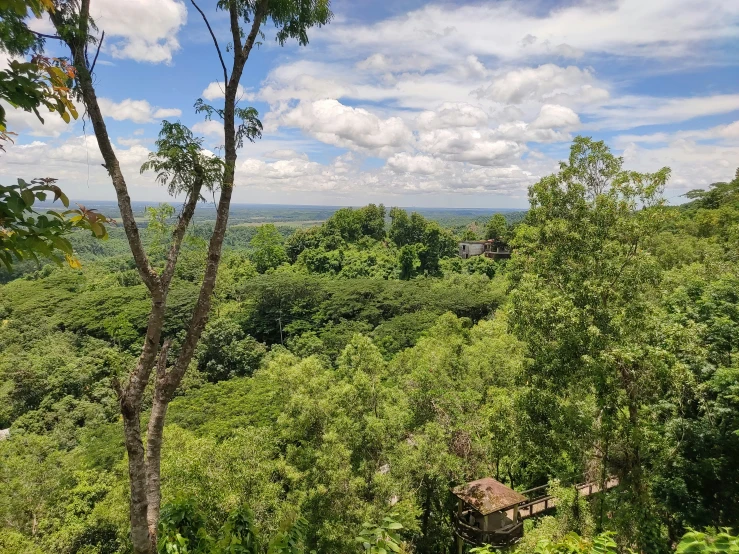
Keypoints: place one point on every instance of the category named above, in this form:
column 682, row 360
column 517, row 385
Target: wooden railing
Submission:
column 540, row 501
column 497, row 538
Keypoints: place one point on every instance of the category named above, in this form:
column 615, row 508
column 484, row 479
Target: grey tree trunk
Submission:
column 144, row 465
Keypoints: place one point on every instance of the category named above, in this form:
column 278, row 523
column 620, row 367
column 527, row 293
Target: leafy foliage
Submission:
column 25, row 233
column 381, row 538
column 181, row 163
column 327, row 392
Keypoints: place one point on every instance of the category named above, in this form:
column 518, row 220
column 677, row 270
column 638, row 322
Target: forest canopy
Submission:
column 353, row 372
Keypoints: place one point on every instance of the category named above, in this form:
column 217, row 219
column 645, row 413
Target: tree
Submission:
column 497, row 227
column 406, row 229
column 42, row 81
column 408, row 261
column 268, row 251
column 26, row 233
column 75, row 27
column 583, row 302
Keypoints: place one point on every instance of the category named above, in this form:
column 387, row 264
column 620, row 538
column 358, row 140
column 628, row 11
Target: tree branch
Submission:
column 235, row 30
column 97, row 53
column 215, row 41
column 259, row 14
column 178, row 234
column 77, row 48
column 43, row 35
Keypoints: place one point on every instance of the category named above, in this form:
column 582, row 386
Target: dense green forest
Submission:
column 354, row 371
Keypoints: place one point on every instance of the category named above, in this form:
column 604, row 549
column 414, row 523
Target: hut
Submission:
column 491, row 248
column 487, row 514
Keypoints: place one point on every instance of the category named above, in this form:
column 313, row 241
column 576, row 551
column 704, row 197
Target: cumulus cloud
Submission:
column 403, row 175
column 216, row 91
column 539, row 83
column 407, row 163
column 26, row 123
column 138, row 111
column 209, row 128
column 693, row 165
column 453, row 114
column 334, row 123
column 553, row 116
column 142, row 30
column 729, row 132
column 475, row 146
column 76, row 162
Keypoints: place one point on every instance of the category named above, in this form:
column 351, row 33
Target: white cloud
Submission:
column 540, row 83
column 478, row 147
column 511, row 31
column 729, row 133
column 217, row 91
column 142, row 30
column 334, row 123
column 26, row 123
column 553, row 116
column 138, row 111
column 164, row 113
column 209, row 128
column 76, row 162
column 404, row 175
column 693, row 165
column 453, row 114
column 407, row 163
column 634, row 111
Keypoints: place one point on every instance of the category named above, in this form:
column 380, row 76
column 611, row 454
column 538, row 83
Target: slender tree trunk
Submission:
column 137, row 481
column 144, row 466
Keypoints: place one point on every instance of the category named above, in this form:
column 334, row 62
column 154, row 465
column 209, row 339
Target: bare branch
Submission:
column 215, row 41
column 43, row 35
column 97, row 53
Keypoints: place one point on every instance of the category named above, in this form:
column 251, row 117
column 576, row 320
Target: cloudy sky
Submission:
column 413, row 103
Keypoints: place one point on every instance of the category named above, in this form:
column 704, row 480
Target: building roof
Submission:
column 475, row 241
column 488, row 495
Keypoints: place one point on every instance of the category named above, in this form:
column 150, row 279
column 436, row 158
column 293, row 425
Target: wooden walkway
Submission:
column 541, row 502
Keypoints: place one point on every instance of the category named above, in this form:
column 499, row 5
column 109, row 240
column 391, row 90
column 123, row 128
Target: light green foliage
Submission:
column 329, row 392
column 583, row 302
column 382, row 538
column 180, row 162
column 695, row 542
column 159, row 226
column 268, row 251
column 573, row 544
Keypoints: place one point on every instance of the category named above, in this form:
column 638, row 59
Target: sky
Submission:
column 411, row 103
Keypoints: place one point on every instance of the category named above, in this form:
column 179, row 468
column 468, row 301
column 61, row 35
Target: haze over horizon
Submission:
column 416, row 104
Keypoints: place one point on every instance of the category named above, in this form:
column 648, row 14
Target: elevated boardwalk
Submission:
column 540, row 502
column 491, row 513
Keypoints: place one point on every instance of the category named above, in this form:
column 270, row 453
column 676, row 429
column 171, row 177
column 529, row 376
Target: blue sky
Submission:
column 414, row 103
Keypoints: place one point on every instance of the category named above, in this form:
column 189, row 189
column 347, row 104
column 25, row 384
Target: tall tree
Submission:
column 246, row 18
column 583, row 303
